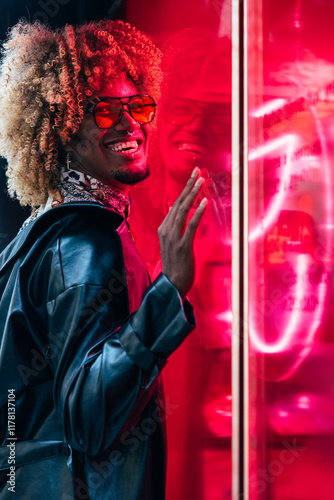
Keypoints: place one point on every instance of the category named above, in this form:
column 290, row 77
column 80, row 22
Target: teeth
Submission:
column 130, row 146
column 192, row 147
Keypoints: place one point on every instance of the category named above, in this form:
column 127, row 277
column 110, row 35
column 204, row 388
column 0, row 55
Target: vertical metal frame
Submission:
column 237, row 465
column 239, row 342
column 245, row 253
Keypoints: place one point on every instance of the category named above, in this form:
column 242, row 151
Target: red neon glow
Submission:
column 268, row 107
column 194, row 130
column 288, row 143
column 291, row 241
column 291, row 222
column 291, row 334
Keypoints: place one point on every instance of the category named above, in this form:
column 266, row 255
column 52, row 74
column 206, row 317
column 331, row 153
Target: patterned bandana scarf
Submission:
column 75, row 186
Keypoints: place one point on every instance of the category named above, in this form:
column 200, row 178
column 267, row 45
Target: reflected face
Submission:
column 115, row 156
column 195, row 132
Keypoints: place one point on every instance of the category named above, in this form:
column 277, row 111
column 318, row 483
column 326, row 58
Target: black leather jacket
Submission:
column 84, row 337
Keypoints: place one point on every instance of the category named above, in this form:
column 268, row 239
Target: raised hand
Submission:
column 177, row 238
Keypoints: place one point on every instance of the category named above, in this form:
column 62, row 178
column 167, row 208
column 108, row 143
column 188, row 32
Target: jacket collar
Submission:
column 30, row 232
column 75, row 186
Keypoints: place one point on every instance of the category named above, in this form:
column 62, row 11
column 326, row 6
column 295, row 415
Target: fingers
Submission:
column 182, row 211
column 189, row 186
column 193, row 224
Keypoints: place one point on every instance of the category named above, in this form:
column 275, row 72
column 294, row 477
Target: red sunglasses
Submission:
column 107, row 111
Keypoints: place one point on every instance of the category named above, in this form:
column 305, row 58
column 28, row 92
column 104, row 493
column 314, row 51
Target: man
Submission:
column 84, row 334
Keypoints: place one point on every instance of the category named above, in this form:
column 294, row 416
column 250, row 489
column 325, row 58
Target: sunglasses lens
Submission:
column 180, row 111
column 221, row 124
column 142, row 109
column 107, row 113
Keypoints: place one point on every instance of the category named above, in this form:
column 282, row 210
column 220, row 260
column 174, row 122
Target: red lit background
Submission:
column 194, row 129
column 290, row 124
column 290, row 89
column 290, row 84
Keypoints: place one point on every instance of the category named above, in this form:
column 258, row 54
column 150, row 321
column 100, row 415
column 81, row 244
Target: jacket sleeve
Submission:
column 105, row 373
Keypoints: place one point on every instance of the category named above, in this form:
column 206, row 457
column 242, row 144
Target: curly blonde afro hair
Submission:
column 45, row 78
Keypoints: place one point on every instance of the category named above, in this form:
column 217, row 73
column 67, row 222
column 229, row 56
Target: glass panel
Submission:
column 194, row 129
column 290, row 93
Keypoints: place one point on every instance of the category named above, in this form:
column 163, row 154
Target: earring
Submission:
column 68, row 161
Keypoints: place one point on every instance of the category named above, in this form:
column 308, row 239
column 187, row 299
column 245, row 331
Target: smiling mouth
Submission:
column 124, row 147
column 192, row 148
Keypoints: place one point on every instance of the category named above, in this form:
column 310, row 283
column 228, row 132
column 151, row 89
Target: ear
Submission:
column 79, row 140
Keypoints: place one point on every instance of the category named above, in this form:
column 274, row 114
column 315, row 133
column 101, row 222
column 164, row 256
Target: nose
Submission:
column 196, row 126
column 127, row 122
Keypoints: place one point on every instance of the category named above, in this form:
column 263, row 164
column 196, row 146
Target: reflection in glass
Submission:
column 290, row 123
column 194, row 130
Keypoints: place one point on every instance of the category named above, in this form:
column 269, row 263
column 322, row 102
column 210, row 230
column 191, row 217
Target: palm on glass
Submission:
column 176, row 236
